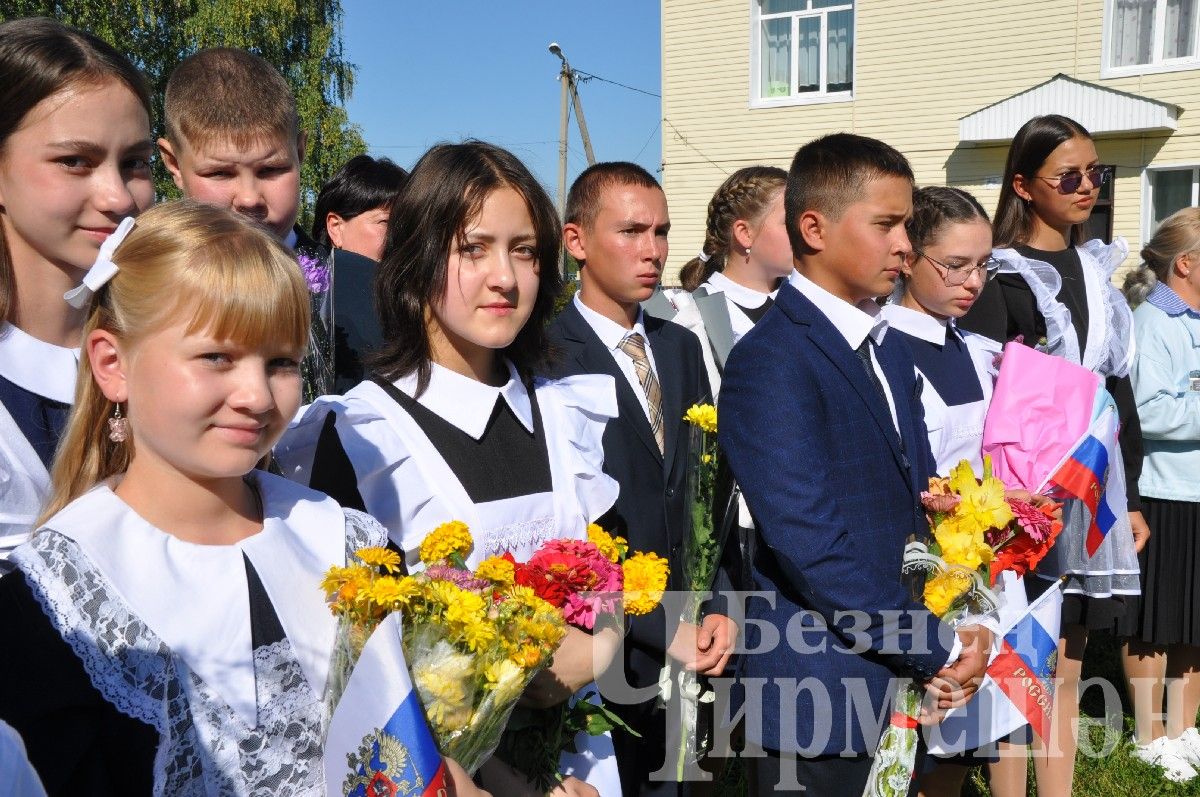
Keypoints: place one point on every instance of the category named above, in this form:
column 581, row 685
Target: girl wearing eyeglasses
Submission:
column 950, row 263
column 1055, row 291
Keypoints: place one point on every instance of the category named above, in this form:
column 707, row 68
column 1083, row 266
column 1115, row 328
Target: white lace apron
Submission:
column 1113, row 569
column 207, row 746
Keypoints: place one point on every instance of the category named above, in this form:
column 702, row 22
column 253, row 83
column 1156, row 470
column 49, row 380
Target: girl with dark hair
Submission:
column 74, row 160
column 1055, row 292
column 950, row 262
column 1162, row 638
column 352, row 209
column 732, row 282
column 453, row 425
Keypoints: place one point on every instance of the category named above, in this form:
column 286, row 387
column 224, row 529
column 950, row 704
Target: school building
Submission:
column 947, row 82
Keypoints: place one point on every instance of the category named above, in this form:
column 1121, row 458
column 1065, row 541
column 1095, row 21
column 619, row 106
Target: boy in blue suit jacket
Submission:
column 822, row 425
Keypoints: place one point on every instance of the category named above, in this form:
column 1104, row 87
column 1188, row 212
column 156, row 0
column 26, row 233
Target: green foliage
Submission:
column 302, row 38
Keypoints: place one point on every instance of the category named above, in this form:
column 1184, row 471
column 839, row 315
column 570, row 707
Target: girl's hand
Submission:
column 1141, row 531
column 461, row 784
column 579, row 660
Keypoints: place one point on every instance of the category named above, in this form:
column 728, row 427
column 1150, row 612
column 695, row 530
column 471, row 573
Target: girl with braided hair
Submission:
column 732, row 282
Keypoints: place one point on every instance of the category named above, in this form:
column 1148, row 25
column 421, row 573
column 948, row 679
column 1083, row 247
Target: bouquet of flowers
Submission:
column 980, row 530
column 701, row 554
column 472, row 640
column 588, row 582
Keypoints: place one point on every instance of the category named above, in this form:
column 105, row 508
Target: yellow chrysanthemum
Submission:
column 356, row 588
column 505, row 678
column 386, row 558
column 440, row 594
column 496, row 570
column 445, row 683
column 942, row 590
column 527, row 656
column 645, row 582
column 702, row 415
column 391, row 591
column 465, row 608
column 479, row 635
column 446, row 539
column 611, row 546
column 334, row 578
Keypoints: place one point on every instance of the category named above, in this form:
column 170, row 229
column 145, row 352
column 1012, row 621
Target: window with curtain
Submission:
column 805, row 48
column 1152, row 33
column 1172, row 190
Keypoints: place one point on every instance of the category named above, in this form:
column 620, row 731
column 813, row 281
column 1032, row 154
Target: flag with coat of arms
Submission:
column 378, row 742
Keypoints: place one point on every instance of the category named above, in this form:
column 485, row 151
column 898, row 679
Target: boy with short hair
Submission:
column 233, row 140
column 616, row 227
column 822, row 425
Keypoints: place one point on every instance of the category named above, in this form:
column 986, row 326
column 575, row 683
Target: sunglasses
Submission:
column 958, row 274
column 1069, row 182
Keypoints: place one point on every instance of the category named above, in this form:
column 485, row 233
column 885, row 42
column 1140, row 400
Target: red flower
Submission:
column 555, row 575
column 1024, row 551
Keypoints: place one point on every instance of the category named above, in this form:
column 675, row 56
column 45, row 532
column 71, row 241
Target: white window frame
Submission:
column 811, row 97
column 1148, row 191
column 1157, row 63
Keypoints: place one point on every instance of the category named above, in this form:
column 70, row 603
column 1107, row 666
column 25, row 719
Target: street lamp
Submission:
column 566, row 77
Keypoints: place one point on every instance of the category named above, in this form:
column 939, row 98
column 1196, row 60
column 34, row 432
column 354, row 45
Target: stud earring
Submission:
column 118, row 426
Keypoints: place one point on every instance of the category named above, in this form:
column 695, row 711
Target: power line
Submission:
column 649, row 138
column 692, row 146
column 589, row 76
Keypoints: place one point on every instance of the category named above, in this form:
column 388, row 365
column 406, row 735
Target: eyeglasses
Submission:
column 958, row 274
column 1069, row 182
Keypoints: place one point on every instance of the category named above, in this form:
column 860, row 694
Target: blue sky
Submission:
column 434, row 70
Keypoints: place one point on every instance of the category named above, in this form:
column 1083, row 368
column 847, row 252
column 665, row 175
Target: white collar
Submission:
column 38, row 366
column 918, row 324
column 290, row 239
column 854, row 321
column 467, row 403
column 610, row 332
column 738, row 294
column 194, row 597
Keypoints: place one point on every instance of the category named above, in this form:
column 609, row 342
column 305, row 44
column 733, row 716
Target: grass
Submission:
column 1117, row 774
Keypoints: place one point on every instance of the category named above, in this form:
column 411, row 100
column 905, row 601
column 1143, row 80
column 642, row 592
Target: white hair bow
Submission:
column 102, row 270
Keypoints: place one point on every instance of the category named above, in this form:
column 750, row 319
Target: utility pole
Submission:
column 569, row 93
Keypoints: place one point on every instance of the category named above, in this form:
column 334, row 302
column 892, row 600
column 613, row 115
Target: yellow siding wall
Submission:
column 920, row 65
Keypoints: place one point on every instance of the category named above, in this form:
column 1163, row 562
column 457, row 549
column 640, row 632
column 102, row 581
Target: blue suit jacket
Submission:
column 835, row 495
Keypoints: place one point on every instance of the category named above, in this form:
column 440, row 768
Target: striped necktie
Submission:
column 635, row 346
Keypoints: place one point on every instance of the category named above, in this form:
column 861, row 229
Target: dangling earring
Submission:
column 118, row 426
column 747, row 255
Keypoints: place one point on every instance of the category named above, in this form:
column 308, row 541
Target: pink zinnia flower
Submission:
column 1032, row 520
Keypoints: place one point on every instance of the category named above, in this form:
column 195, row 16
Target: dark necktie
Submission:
column 864, row 356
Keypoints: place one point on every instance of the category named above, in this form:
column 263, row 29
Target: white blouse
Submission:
column 162, row 627
column 49, row 371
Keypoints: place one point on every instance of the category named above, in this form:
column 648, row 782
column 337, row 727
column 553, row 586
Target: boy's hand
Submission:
column 704, row 648
column 955, row 684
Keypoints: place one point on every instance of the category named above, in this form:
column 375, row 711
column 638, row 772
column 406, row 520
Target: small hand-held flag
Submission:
column 1086, row 473
column 1024, row 667
column 378, row 741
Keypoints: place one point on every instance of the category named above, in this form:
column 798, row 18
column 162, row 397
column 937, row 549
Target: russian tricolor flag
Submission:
column 1085, row 473
column 1024, row 667
column 378, row 741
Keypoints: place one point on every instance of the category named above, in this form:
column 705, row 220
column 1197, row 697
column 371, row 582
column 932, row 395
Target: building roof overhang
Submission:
column 1103, row 111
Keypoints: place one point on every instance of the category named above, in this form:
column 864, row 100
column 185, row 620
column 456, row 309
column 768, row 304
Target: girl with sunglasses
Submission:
column 1054, row 290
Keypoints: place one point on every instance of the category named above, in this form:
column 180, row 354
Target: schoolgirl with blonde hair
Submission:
column 728, row 286
column 1162, row 635
column 171, row 634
